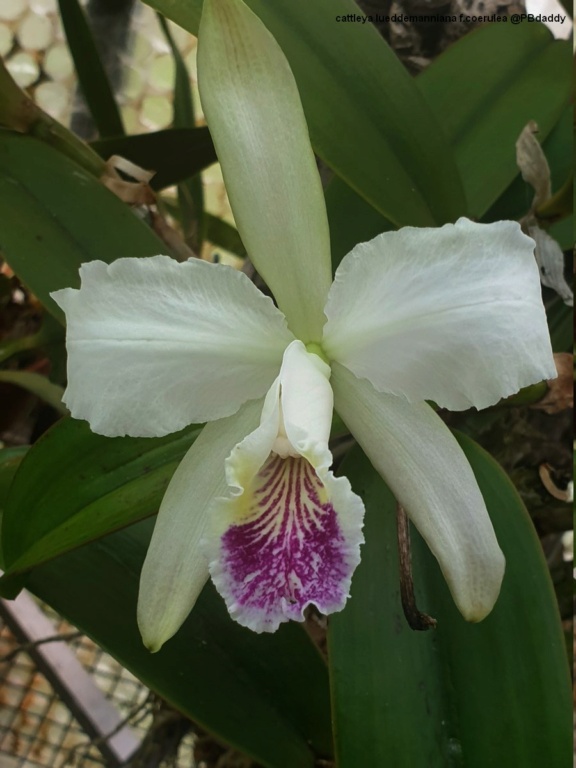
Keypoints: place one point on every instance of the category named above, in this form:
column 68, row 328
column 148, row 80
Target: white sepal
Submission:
column 256, row 120
column 420, row 460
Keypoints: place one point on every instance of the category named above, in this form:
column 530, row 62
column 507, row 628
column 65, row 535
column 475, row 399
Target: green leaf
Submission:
column 556, row 148
column 482, row 124
column 267, row 695
column 560, row 323
column 91, row 73
column 75, row 486
column 219, row 232
column 11, row 347
column 484, row 101
column 475, row 695
column 10, row 459
column 55, row 216
column 175, row 154
column 367, row 119
column 351, row 219
column 19, row 113
column 563, row 233
column 38, row 385
column 190, row 192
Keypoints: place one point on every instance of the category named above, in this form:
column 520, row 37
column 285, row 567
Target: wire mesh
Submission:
column 37, row 729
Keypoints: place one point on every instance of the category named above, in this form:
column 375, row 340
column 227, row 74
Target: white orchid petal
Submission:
column 154, row 345
column 175, row 569
column 253, row 109
column 424, row 466
column 290, row 534
column 452, row 314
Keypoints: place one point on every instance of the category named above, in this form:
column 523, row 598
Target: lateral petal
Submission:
column 290, row 533
column 453, row 314
column 175, row 569
column 255, row 116
column 418, row 457
column 154, row 345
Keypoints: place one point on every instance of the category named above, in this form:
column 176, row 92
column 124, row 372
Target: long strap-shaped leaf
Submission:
column 482, row 122
column 175, row 153
column 76, row 486
column 462, row 695
column 55, row 216
column 485, row 89
column 37, row 385
column 366, row 118
column 91, row 73
column 190, row 192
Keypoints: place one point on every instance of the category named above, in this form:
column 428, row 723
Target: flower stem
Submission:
column 19, row 113
column 416, row 619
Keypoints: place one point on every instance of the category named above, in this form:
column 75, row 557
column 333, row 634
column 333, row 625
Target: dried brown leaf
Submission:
column 560, row 395
column 533, row 165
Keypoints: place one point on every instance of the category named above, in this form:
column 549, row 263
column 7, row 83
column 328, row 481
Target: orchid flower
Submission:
column 453, row 315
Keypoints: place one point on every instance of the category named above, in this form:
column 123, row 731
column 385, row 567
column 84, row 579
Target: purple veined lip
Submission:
column 287, row 549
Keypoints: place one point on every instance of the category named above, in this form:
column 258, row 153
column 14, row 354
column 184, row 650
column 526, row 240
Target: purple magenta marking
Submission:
column 291, row 551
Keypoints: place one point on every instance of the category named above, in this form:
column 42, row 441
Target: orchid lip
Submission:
column 289, row 533
column 286, row 550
